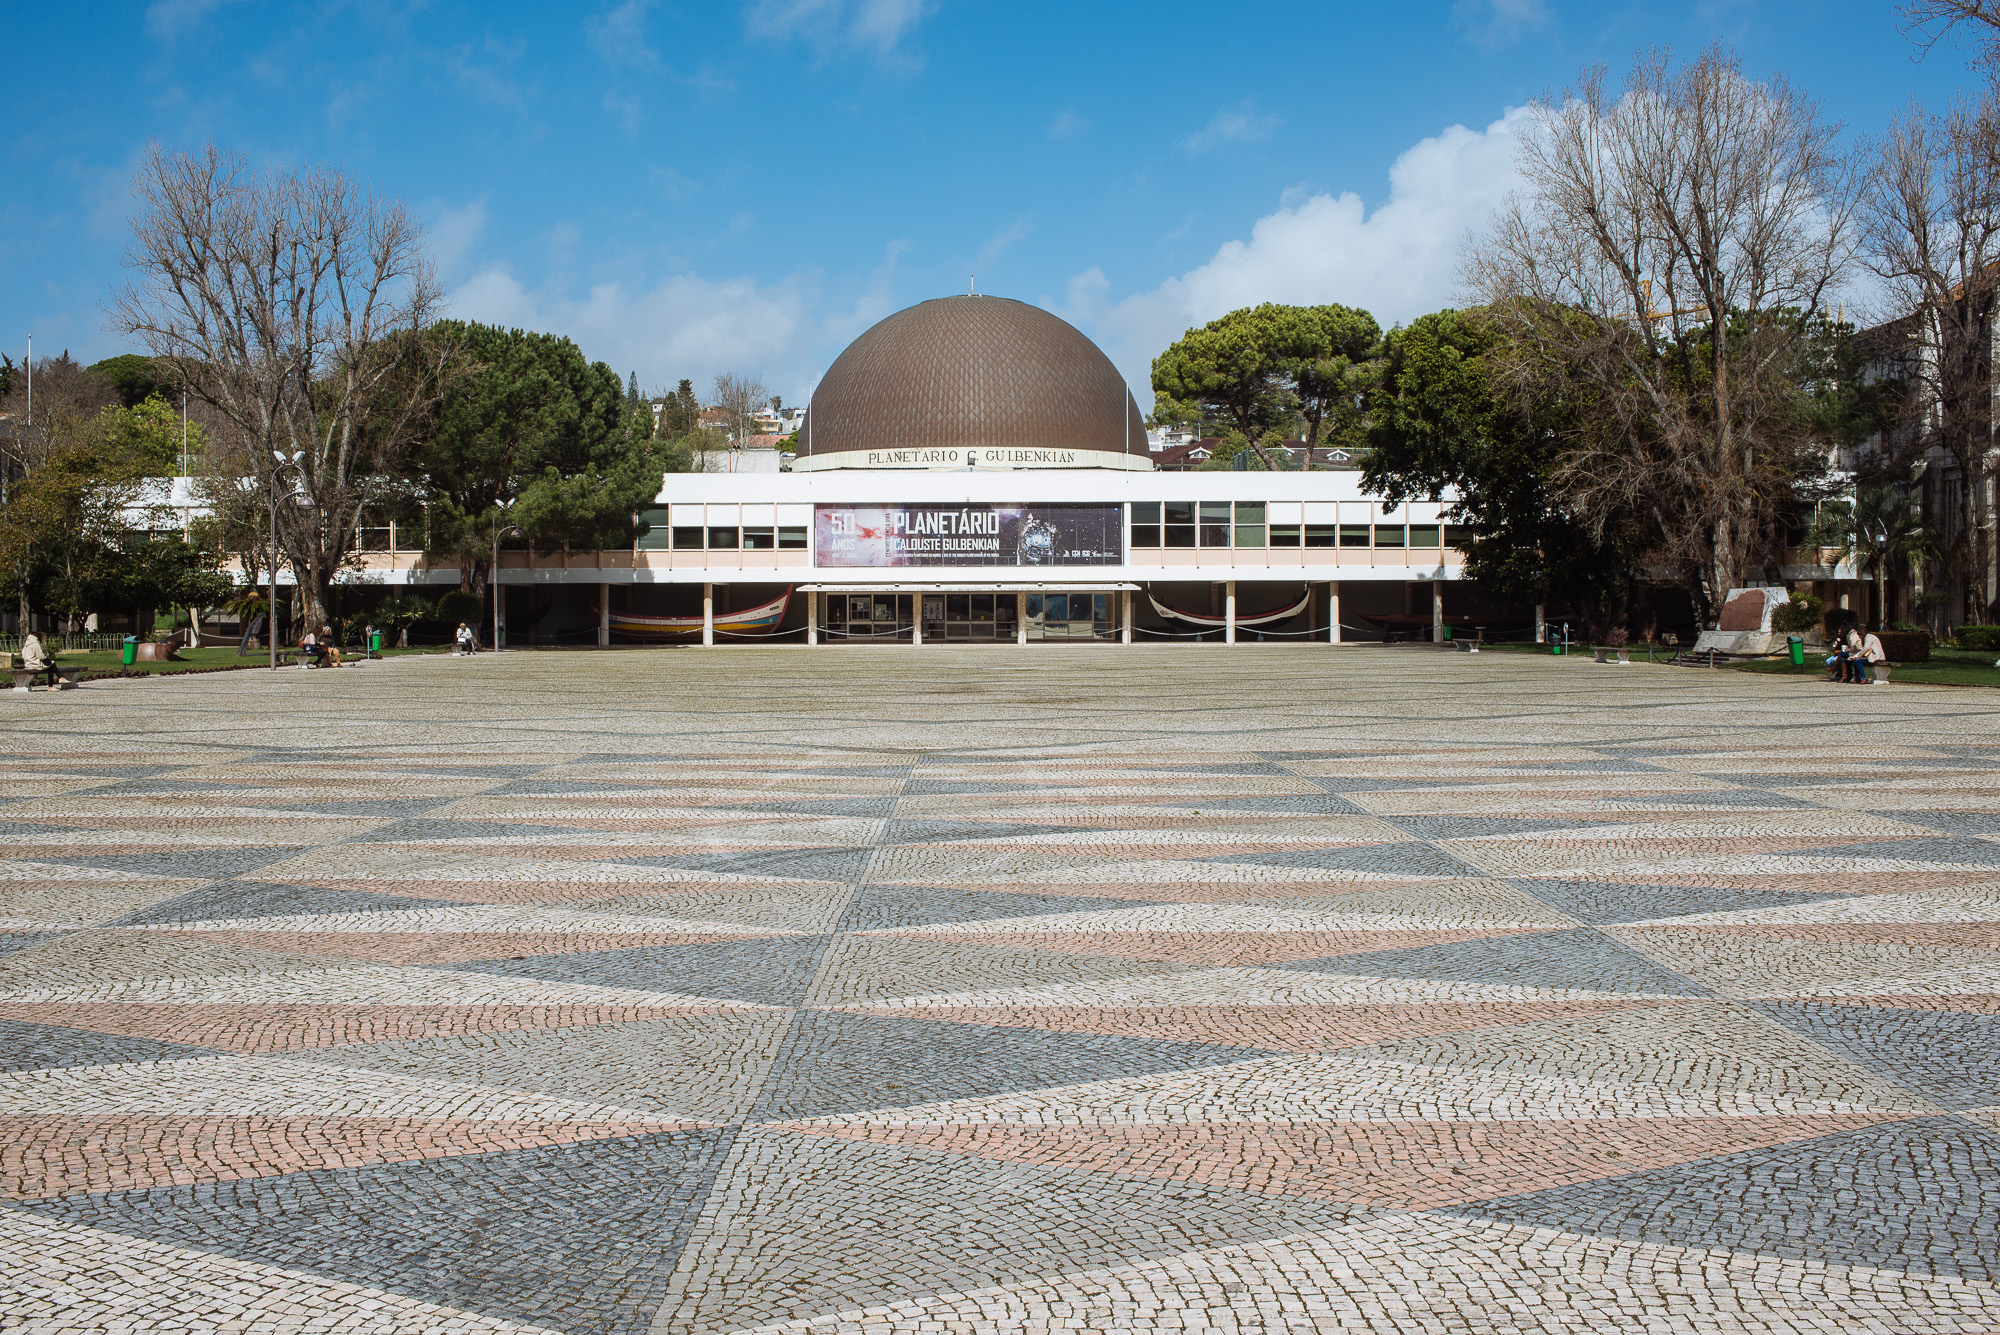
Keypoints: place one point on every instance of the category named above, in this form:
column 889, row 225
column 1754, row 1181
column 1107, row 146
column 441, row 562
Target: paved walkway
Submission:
column 958, row 990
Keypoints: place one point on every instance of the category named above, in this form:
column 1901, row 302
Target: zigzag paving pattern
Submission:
column 956, row 990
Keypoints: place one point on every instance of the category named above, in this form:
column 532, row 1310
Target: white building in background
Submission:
column 973, row 468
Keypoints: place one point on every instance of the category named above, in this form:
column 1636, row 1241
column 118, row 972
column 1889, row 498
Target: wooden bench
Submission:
column 65, row 677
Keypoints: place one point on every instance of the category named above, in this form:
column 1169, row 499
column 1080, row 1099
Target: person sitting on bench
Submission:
column 314, row 649
column 36, row 659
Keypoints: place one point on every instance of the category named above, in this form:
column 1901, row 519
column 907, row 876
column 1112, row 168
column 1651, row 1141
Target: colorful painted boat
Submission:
column 759, row 620
column 1217, row 623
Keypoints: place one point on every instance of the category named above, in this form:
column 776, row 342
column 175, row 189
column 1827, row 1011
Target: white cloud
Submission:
column 1496, row 23
column 1398, row 262
column 1240, row 123
column 999, row 242
column 1066, row 123
column 619, row 36
column 689, row 326
column 453, row 232
column 880, row 24
column 167, row 19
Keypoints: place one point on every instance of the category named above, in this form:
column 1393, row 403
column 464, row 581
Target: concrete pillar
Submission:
column 1437, row 611
column 1229, row 612
column 812, row 619
column 1333, row 611
column 1541, row 623
column 604, row 616
column 917, row 617
column 707, row 616
column 1020, row 618
column 1125, row 597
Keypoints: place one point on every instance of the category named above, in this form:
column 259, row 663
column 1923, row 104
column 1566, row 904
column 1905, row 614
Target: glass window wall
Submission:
column 1179, row 523
column 1215, row 523
column 1145, row 524
column 1249, row 523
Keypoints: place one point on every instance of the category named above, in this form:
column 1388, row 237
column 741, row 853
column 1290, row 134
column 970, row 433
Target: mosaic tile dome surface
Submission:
column 971, row 371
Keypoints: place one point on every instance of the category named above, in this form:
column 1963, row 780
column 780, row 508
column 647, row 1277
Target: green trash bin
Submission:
column 131, row 650
column 375, row 643
column 1797, row 644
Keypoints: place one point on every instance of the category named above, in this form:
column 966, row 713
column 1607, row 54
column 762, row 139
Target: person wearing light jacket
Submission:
column 1871, row 653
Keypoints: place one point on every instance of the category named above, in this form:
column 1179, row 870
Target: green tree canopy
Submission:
column 531, row 406
column 1270, row 368
column 135, row 378
column 1443, row 429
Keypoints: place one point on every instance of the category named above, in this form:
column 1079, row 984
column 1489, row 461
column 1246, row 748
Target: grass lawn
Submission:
column 1947, row 667
column 109, row 661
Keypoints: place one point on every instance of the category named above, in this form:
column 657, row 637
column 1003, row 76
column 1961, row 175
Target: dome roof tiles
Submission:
column 972, row 372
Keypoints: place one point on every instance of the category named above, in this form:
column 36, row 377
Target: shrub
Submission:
column 1838, row 619
column 457, row 606
column 1616, row 637
column 1803, row 613
column 1904, row 646
column 1986, row 638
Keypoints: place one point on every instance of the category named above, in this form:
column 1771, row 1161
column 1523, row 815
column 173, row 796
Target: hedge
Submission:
column 1979, row 637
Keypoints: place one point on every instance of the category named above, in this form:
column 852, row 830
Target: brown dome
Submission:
column 980, row 372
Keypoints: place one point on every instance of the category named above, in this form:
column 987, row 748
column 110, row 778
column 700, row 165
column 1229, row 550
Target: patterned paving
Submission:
column 984, row 991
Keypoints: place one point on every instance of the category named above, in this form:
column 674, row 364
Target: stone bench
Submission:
column 65, row 680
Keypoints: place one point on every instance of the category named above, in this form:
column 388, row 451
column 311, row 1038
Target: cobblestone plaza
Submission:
column 1254, row 989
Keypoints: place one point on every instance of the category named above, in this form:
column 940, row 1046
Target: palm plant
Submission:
column 1881, row 529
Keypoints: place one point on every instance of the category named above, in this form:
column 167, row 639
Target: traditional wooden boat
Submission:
column 1217, row 622
column 759, row 620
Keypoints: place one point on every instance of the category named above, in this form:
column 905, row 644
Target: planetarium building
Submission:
column 974, row 470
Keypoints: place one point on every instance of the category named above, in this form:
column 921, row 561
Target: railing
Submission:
column 74, row 642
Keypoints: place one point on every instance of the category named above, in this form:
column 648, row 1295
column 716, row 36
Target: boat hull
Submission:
column 753, row 621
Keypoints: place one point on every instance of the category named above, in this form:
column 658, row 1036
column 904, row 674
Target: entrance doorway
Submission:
column 968, row 616
column 1072, row 616
column 864, row 618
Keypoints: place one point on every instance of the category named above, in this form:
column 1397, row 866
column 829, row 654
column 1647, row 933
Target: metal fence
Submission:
column 75, row 642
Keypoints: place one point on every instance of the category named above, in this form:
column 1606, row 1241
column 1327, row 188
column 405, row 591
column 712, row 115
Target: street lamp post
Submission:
column 493, row 573
column 271, row 612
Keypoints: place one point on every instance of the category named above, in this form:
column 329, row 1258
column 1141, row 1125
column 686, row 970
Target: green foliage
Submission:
column 147, row 437
column 531, row 404
column 460, row 606
column 135, row 378
column 1265, row 367
column 1222, row 457
column 1984, row 638
column 1805, row 612
column 1441, row 425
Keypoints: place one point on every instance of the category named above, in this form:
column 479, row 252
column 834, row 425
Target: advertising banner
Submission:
column 872, row 536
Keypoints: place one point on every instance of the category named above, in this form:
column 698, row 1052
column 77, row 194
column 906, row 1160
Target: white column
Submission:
column 1437, row 611
column 603, row 616
column 812, row 619
column 707, row 616
column 1333, row 611
column 1541, row 624
column 1020, row 618
column 917, row 617
column 1125, row 596
column 1229, row 612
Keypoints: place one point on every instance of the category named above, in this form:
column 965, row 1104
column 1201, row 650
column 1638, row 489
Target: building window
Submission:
column 655, row 538
column 1145, row 523
column 1285, row 535
column 1457, row 535
column 1215, row 523
column 1249, row 523
column 687, row 539
column 1179, row 524
column 792, row 539
column 759, row 539
column 722, row 539
column 1388, row 535
column 1319, row 535
column 1423, row 535
column 1354, row 535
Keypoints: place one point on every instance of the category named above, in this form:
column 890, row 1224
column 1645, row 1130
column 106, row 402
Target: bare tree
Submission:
column 1933, row 230
column 69, row 400
column 1658, row 276
column 1928, row 22
column 293, row 303
column 741, row 397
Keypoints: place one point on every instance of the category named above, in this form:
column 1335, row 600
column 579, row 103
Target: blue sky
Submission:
column 687, row 189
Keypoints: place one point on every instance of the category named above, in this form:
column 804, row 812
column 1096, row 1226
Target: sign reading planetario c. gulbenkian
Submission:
column 968, row 535
column 981, row 456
